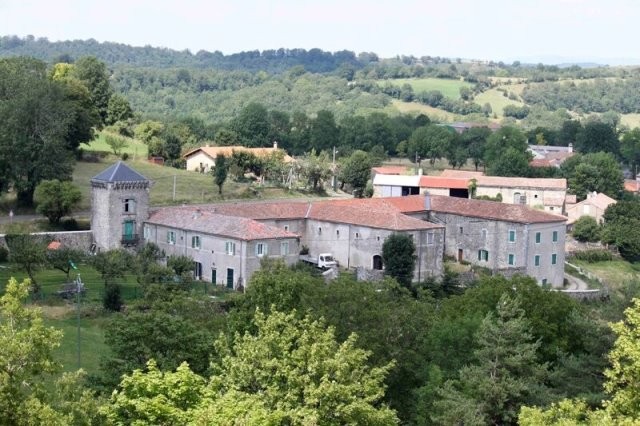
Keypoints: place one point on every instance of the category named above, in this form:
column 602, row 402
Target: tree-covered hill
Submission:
column 272, row 61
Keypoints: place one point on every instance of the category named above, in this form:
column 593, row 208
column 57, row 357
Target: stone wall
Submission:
column 80, row 240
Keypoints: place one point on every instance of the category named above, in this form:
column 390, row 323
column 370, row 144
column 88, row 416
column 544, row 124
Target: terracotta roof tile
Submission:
column 390, row 170
column 451, row 173
column 227, row 151
column 443, row 182
column 475, row 208
column 631, row 185
column 519, row 182
column 201, row 220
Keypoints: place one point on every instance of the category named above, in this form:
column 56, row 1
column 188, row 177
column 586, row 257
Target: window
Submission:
column 261, row 249
column 483, row 255
column 171, row 237
column 146, row 231
column 197, row 270
column 319, row 230
column 536, row 260
column 538, row 237
column 357, row 235
column 129, row 205
column 337, row 233
column 512, row 259
column 286, row 228
column 461, row 229
column 512, row 235
column 284, row 248
column 544, row 281
column 554, row 259
column 555, row 236
column 195, row 242
column 429, row 238
column 230, row 248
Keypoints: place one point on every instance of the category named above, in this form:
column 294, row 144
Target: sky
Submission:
column 551, row 31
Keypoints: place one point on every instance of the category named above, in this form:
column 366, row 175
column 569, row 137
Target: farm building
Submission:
column 203, row 159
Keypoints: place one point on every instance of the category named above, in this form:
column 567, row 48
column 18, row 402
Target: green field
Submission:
column 449, row 88
column 135, row 148
column 496, row 99
column 434, row 114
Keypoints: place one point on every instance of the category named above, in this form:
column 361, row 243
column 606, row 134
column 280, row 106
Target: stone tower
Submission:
column 119, row 207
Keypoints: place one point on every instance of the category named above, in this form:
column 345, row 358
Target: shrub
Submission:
column 586, row 229
column 594, row 255
column 125, row 156
column 4, row 254
column 112, row 300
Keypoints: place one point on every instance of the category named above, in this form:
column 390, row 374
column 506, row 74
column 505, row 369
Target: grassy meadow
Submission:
column 449, row 88
column 134, row 148
column 496, row 99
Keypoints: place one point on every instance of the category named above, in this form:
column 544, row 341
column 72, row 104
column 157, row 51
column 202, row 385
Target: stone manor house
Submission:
column 228, row 241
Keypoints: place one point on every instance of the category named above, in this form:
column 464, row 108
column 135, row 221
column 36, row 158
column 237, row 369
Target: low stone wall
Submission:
column 80, row 240
column 365, row 274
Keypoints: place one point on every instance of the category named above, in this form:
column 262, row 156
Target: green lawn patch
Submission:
column 135, row 148
column 614, row 273
column 449, row 88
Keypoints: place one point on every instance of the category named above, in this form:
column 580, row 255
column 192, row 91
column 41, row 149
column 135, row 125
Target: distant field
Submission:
column 449, row 88
column 496, row 99
column 631, row 120
column 433, row 113
column 135, row 148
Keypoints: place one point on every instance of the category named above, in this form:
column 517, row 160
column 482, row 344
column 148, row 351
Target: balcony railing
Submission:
column 130, row 240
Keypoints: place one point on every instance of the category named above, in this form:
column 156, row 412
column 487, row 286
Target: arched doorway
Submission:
column 377, row 262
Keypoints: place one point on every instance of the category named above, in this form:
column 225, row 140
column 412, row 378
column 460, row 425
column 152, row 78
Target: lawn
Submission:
column 434, row 114
column 190, row 187
column 449, row 88
column 135, row 148
column 613, row 273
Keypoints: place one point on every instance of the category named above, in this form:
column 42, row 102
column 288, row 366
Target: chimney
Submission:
column 570, row 148
column 427, row 201
column 275, row 144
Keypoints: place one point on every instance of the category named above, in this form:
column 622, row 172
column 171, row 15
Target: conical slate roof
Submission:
column 119, row 172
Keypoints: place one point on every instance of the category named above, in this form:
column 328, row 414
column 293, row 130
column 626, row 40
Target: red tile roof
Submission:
column 475, row 208
column 631, row 185
column 390, row 170
column 227, row 151
column 451, row 173
column 519, row 182
column 370, row 212
column 201, row 220
column 443, row 182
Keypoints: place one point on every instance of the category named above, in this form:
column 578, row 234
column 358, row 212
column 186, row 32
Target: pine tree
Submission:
column 505, row 375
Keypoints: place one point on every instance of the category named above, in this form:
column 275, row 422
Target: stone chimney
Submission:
column 427, row 200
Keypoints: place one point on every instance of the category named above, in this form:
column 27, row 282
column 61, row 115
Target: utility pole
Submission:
column 174, row 187
column 334, row 182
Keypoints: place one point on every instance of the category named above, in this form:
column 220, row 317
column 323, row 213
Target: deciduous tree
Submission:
column 55, row 199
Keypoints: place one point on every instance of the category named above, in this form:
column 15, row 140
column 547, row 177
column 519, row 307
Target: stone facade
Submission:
column 506, row 247
column 114, row 206
column 357, row 246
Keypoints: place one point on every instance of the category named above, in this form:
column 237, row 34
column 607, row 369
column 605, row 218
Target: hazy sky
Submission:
column 484, row 29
